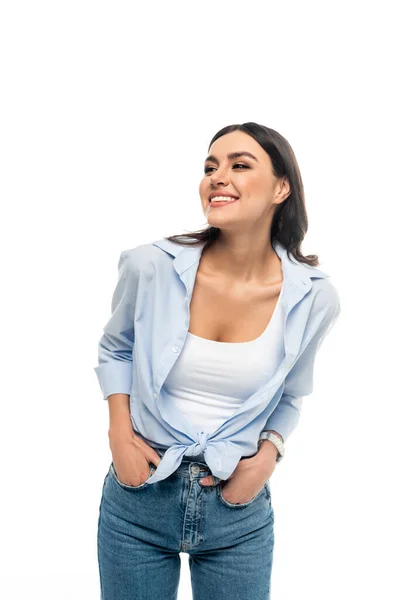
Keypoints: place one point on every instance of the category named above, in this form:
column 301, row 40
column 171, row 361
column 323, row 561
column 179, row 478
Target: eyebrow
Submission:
column 231, row 156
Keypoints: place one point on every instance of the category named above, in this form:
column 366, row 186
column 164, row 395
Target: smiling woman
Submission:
column 204, row 362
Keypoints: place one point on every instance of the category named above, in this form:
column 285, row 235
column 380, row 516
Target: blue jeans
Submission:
column 142, row 530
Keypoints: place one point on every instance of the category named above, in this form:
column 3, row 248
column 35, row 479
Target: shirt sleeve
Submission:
column 114, row 370
column 299, row 381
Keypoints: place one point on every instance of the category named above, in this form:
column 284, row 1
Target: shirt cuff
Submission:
column 114, row 378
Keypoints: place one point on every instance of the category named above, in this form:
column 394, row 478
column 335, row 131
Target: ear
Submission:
column 283, row 190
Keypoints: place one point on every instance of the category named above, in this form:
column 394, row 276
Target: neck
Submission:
column 244, row 260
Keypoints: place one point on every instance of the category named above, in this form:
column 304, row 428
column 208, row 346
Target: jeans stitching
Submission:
column 243, row 504
column 130, row 487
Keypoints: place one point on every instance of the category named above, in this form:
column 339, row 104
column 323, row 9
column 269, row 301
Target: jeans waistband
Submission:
column 193, row 466
column 187, row 459
column 199, row 458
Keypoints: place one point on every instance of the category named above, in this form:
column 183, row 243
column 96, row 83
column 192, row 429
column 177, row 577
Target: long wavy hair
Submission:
column 290, row 222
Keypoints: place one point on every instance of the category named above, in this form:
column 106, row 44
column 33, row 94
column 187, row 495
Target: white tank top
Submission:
column 210, row 379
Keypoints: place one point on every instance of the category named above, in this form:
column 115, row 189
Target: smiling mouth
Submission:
column 222, row 203
column 223, row 199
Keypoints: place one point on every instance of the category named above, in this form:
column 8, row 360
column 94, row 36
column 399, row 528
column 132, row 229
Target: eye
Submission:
column 208, row 169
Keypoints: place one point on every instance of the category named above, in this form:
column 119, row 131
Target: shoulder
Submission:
column 325, row 305
column 321, row 291
column 141, row 258
column 325, row 292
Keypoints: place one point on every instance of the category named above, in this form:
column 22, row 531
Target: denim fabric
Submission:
column 142, row 530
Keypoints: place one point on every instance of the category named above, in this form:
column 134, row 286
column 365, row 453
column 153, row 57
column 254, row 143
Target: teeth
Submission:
column 223, row 199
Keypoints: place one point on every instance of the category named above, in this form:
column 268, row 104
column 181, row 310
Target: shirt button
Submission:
column 155, row 394
column 175, row 349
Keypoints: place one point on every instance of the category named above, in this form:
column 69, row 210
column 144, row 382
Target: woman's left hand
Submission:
column 249, row 477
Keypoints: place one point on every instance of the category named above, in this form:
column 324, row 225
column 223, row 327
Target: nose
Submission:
column 218, row 177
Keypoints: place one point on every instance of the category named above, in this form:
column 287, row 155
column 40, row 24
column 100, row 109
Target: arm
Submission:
column 120, row 418
column 266, row 446
column 299, row 381
column 114, row 371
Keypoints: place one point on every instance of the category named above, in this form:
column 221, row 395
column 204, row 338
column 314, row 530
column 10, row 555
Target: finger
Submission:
column 153, row 457
column 207, row 480
column 149, row 452
column 156, row 459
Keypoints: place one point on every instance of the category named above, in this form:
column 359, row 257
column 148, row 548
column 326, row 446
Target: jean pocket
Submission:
column 114, row 476
column 263, row 492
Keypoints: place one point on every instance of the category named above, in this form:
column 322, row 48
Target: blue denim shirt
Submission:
column 146, row 332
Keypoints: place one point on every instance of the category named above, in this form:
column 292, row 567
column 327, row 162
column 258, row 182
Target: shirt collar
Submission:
column 185, row 256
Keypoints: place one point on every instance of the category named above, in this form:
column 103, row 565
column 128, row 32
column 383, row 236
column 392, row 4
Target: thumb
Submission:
column 155, row 458
column 150, row 454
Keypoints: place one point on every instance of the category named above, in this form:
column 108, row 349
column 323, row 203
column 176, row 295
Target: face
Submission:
column 248, row 178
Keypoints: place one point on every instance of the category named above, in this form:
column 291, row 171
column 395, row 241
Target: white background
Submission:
column 107, row 110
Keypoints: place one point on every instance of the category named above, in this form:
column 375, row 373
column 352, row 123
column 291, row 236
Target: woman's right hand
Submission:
column 131, row 457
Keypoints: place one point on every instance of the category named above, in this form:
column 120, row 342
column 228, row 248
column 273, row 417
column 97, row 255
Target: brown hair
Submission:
column 290, row 222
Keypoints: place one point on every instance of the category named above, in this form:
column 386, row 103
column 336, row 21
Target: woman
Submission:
column 204, row 363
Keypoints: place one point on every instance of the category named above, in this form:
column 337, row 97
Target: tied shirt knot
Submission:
column 199, row 446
